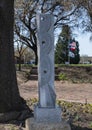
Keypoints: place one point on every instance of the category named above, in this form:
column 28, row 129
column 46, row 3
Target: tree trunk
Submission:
column 36, row 59
column 10, row 99
column 36, row 55
column 19, row 63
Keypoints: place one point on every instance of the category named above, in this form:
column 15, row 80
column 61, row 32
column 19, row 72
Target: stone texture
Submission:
column 32, row 125
column 45, row 44
column 50, row 115
column 46, row 110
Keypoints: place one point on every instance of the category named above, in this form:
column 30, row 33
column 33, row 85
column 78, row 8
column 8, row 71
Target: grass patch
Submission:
column 80, row 65
column 90, row 124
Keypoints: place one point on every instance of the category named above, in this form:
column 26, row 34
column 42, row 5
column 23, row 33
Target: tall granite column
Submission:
column 46, row 110
column 47, row 95
column 47, row 115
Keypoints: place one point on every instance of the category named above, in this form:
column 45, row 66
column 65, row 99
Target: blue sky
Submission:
column 85, row 45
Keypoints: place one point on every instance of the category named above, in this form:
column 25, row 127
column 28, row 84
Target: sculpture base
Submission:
column 49, row 115
column 31, row 124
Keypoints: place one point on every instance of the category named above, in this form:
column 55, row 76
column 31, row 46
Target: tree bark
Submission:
column 19, row 67
column 36, row 58
column 10, row 99
column 36, row 55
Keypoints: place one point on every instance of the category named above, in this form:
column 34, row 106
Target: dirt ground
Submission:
column 80, row 92
column 64, row 90
column 77, row 87
column 67, row 91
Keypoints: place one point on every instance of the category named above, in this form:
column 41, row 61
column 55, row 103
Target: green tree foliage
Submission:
column 76, row 58
column 63, row 52
column 59, row 55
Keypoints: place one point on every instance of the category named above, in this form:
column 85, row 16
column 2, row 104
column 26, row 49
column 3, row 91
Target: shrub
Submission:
column 62, row 76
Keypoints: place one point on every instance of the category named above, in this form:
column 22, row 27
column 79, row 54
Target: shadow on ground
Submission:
column 73, row 127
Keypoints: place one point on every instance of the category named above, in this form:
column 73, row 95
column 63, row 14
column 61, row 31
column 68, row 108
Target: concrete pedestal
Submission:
column 31, row 124
column 49, row 115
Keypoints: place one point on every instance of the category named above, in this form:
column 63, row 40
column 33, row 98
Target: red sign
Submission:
column 72, row 46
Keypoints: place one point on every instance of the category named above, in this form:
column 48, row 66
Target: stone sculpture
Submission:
column 47, row 115
column 46, row 61
column 46, row 110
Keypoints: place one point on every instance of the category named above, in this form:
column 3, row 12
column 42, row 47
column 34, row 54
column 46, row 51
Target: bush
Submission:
column 62, row 76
